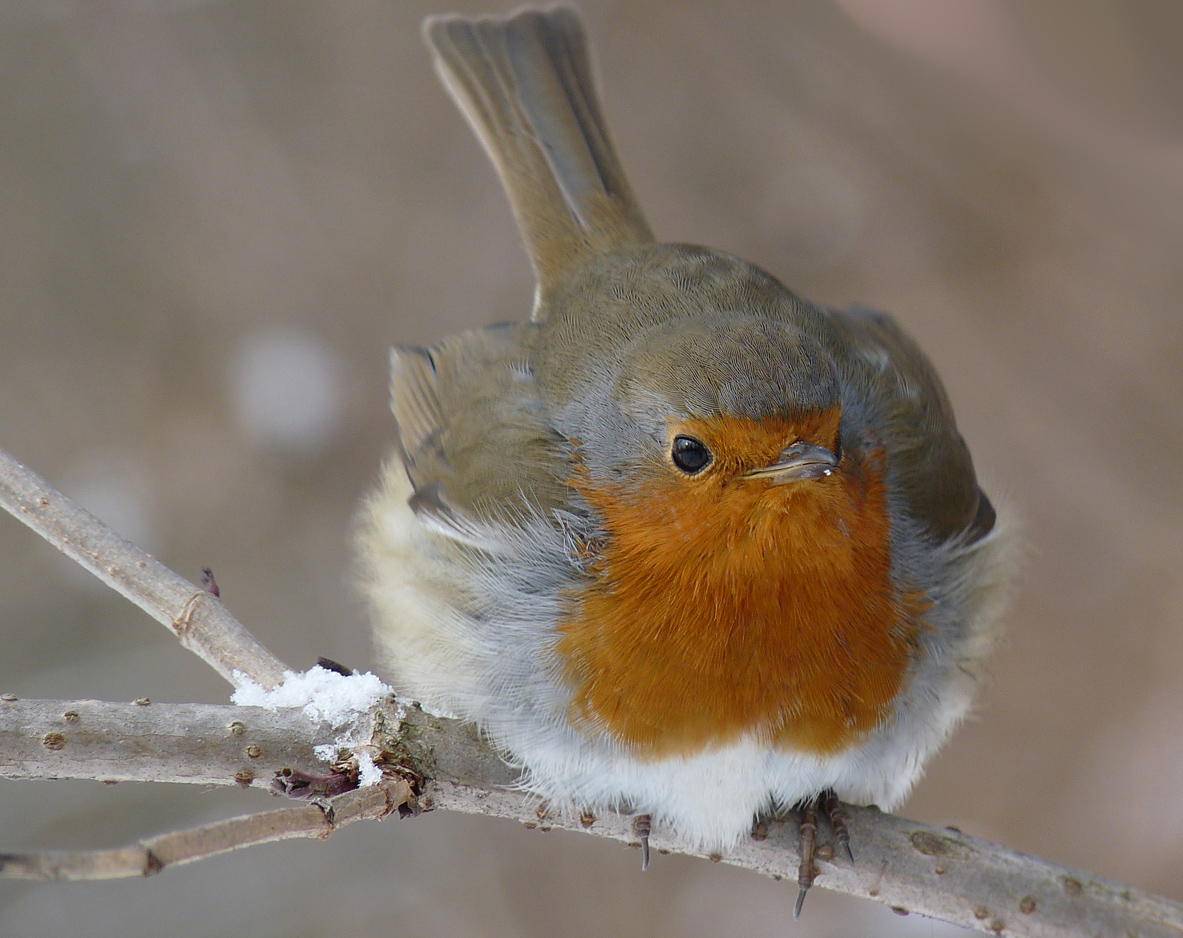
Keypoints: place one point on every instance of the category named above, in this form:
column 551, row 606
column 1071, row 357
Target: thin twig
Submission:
column 154, row 854
column 196, row 617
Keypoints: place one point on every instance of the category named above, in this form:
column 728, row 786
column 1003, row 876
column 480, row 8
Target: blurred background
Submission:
column 216, row 217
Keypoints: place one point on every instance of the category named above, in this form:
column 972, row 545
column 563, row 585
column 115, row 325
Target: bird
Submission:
column 682, row 544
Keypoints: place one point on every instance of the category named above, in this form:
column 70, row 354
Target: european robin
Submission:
column 684, row 544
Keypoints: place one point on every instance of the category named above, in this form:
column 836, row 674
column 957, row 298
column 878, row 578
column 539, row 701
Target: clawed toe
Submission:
column 807, row 840
column 642, row 825
column 837, row 815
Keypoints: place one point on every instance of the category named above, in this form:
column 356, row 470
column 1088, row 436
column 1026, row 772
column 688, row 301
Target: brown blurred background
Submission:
column 217, row 216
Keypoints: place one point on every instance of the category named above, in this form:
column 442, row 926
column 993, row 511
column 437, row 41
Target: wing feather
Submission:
column 474, row 437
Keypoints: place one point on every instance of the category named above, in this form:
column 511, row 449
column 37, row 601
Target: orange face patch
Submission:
column 725, row 605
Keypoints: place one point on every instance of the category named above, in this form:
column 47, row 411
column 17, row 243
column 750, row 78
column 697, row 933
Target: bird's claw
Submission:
column 642, row 825
column 807, row 842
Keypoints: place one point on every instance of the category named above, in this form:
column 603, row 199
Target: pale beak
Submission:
column 799, row 463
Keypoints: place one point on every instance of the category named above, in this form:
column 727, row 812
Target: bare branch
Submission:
column 937, row 872
column 915, row 867
column 200, row 744
column 911, row 867
column 196, row 617
column 156, row 853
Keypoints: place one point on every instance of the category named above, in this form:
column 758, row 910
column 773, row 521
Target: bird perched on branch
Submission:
column 684, row 544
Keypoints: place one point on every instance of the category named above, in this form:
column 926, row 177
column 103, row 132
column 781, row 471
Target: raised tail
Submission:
column 525, row 84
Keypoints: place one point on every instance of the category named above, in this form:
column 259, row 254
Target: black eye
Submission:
column 690, row 455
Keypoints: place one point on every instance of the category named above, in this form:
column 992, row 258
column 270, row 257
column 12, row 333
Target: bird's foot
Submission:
column 807, row 842
column 837, row 816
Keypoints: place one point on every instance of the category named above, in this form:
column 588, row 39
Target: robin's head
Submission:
column 720, row 402
column 679, row 359
column 703, row 402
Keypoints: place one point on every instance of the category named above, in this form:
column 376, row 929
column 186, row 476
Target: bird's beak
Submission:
column 799, row 463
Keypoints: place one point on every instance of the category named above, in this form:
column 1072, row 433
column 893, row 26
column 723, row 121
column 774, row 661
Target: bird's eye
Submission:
column 690, row 455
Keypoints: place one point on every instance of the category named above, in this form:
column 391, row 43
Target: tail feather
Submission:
column 525, row 84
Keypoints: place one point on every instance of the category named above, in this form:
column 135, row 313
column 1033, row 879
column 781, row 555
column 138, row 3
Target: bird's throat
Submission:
column 716, row 613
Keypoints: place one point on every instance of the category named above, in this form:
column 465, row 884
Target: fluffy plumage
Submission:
column 697, row 645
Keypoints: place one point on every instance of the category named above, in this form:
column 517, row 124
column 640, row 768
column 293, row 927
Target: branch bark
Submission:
column 201, row 744
column 436, row 763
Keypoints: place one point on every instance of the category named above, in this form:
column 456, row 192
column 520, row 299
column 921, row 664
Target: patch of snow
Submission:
column 327, row 752
column 322, row 694
column 367, row 772
column 339, row 700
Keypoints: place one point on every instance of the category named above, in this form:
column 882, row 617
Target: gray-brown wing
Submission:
column 473, row 433
column 929, row 465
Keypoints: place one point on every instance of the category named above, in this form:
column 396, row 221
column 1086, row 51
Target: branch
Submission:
column 915, row 867
column 912, row 867
column 201, row 744
column 442, row 763
column 196, row 617
column 152, row 855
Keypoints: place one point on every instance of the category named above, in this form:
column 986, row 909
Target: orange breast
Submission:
column 724, row 605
